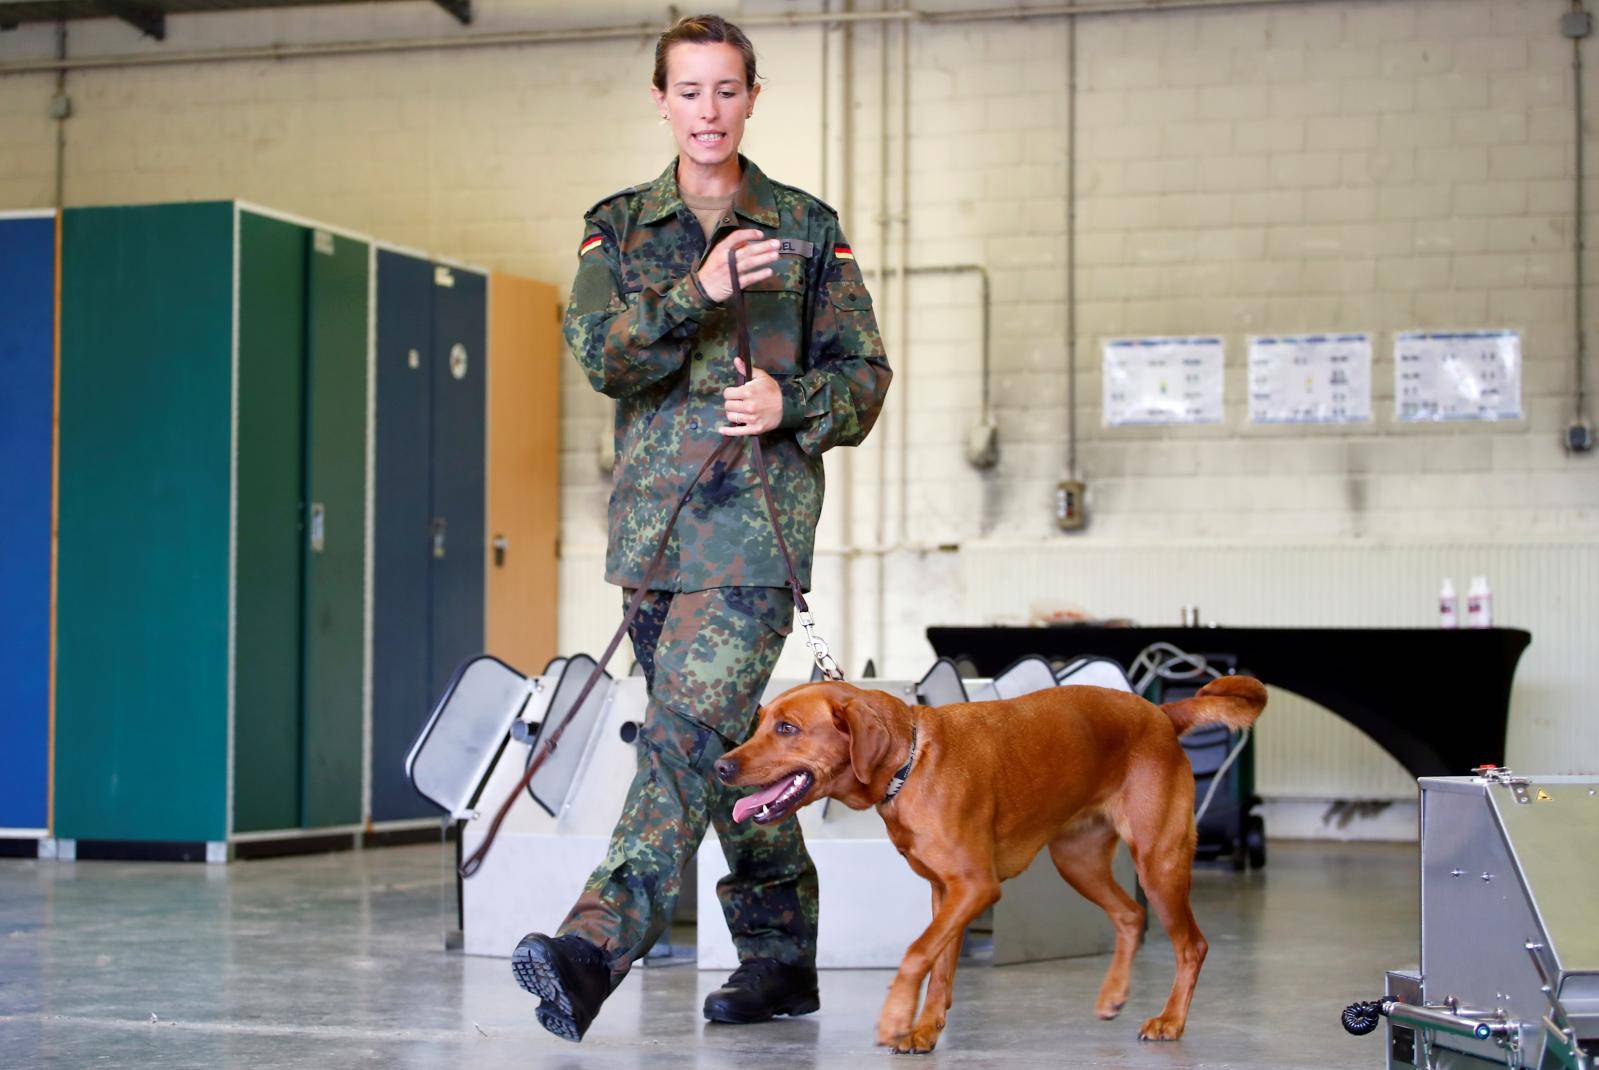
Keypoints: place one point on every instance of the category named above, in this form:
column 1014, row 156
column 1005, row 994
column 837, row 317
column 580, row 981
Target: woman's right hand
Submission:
column 753, row 255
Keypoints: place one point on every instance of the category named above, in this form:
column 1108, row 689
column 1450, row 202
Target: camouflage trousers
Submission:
column 707, row 656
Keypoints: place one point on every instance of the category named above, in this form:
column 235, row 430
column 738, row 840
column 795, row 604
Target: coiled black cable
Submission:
column 1361, row 1018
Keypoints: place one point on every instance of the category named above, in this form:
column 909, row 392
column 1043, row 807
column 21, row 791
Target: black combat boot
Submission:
column 569, row 974
column 761, row 988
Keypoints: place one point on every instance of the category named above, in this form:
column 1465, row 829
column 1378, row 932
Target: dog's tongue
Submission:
column 751, row 804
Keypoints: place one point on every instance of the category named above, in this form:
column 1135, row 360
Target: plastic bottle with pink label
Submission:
column 1448, row 606
column 1479, row 604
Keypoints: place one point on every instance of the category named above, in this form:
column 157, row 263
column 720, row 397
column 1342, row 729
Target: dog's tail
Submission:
column 1234, row 701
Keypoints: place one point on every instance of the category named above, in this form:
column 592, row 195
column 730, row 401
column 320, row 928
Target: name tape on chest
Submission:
column 796, row 247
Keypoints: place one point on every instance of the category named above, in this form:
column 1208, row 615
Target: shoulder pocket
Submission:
column 846, row 289
column 594, row 288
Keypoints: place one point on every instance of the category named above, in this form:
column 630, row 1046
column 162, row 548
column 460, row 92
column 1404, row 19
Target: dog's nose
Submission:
column 726, row 769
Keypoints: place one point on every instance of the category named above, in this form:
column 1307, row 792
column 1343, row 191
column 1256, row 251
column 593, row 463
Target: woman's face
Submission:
column 706, row 101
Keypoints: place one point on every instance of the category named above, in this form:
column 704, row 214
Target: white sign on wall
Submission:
column 1310, row 378
column 1163, row 380
column 1457, row 375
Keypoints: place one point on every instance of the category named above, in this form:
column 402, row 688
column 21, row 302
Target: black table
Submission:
column 1437, row 700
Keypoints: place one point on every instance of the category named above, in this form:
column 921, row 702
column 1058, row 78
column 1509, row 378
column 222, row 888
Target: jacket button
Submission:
column 693, row 423
column 699, row 356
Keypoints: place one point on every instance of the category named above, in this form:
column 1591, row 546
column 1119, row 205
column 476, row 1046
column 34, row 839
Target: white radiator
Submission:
column 1549, row 588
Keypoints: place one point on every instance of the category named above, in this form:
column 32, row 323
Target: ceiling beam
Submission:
column 460, row 10
column 148, row 21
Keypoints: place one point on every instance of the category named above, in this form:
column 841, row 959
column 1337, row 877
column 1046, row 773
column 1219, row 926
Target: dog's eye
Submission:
column 783, row 728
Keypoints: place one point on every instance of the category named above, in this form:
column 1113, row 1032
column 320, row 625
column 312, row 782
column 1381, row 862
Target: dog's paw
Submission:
column 893, row 1027
column 918, row 1041
column 1105, row 1010
column 1162, row 1028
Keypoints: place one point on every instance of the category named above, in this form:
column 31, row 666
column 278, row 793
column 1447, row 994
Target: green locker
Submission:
column 210, row 673
column 332, row 792
column 272, row 303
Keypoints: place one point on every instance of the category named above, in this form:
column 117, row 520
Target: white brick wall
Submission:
column 1380, row 165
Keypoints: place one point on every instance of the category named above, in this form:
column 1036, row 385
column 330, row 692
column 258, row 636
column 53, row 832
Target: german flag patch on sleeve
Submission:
column 591, row 243
column 842, row 252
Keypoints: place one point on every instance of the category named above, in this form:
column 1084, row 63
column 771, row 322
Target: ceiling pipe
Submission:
column 823, row 149
column 1094, row 7
column 506, row 39
column 61, row 111
column 627, row 31
column 846, row 203
column 1071, row 249
column 880, row 529
column 1577, row 25
column 901, row 261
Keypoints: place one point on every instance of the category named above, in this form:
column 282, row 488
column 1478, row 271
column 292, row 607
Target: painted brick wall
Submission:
column 1378, row 165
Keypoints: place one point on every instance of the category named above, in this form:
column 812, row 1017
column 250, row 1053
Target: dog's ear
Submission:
column 868, row 737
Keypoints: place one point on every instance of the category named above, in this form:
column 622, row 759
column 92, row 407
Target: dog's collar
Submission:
column 904, row 771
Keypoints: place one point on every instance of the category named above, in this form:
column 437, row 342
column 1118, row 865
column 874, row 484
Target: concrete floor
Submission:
column 336, row 961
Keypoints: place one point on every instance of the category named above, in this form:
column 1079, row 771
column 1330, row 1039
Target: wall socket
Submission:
column 1579, row 437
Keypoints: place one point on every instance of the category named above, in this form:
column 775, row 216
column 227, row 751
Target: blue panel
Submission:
column 27, row 370
column 401, row 699
column 459, row 328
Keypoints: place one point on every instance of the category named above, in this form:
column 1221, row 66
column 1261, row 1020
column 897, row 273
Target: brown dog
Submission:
column 972, row 792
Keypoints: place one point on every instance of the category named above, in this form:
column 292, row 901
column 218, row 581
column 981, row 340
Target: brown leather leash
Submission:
column 819, row 651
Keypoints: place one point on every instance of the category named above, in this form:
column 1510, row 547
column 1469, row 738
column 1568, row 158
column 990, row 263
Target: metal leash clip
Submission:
column 819, row 652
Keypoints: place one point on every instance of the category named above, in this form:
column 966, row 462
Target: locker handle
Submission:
column 438, row 536
column 319, row 514
column 500, row 544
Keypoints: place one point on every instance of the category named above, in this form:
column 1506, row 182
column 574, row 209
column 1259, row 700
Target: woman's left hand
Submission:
column 754, row 408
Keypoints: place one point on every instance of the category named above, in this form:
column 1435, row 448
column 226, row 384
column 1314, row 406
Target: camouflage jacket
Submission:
column 647, row 335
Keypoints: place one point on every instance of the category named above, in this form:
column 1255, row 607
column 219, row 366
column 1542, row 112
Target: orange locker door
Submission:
column 524, row 470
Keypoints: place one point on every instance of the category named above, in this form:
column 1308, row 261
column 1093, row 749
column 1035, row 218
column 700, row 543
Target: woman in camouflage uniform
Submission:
column 648, row 324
